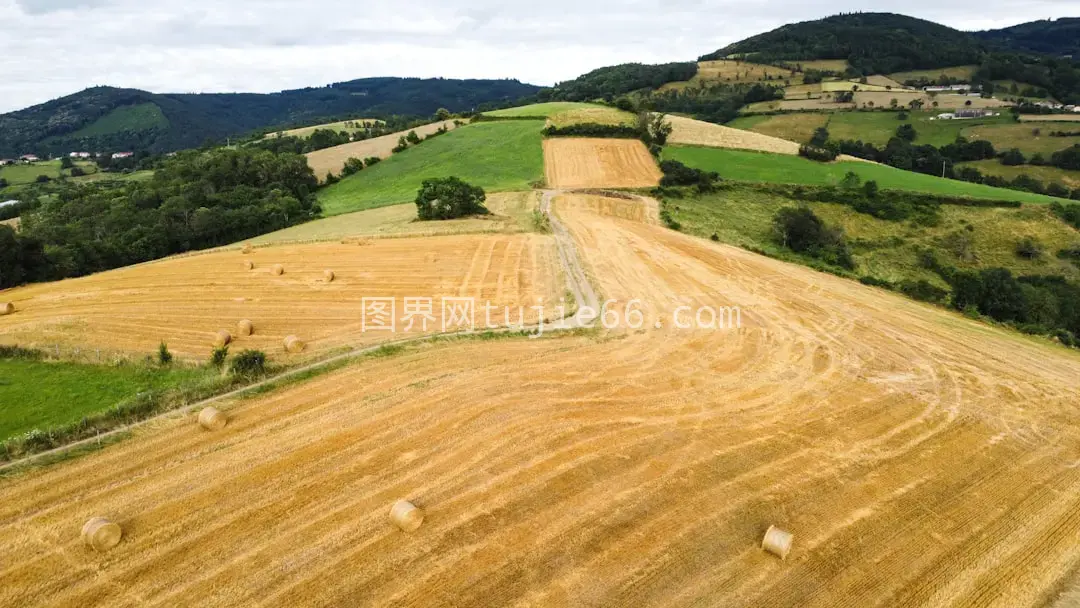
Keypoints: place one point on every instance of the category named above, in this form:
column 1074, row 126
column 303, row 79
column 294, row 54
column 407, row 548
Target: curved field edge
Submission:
column 747, row 166
column 497, row 156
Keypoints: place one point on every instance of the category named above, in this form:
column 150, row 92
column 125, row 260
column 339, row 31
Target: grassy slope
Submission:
column 141, row 117
column 798, row 127
column 878, row 127
column 773, row 168
column 40, row 395
column 498, row 156
column 18, row 175
column 1046, row 174
column 541, row 110
column 962, row 72
column 887, row 250
column 1028, row 137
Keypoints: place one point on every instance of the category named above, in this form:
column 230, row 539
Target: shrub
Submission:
column 800, row 230
column 1029, row 248
column 906, row 132
column 820, row 137
column 1057, row 190
column 249, row 364
column 678, row 174
column 590, row 129
column 412, row 138
column 1013, row 157
column 372, row 160
column 715, row 238
column 402, row 145
column 924, row 291
column 851, row 181
column 448, row 198
column 331, row 179
column 352, row 166
column 823, row 155
column 218, row 356
column 164, row 357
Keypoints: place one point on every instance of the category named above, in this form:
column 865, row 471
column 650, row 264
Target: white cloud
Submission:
column 50, row 48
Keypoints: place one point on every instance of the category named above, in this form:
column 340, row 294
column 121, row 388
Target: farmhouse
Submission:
column 29, row 158
column 6, row 161
column 79, row 155
column 958, row 88
column 123, row 155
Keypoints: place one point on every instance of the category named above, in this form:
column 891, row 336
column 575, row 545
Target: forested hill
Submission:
column 112, row 119
column 873, row 43
column 1059, row 37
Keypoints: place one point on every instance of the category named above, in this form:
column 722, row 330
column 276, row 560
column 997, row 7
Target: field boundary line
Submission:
column 579, row 285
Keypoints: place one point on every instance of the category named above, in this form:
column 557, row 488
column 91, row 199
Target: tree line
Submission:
column 196, row 200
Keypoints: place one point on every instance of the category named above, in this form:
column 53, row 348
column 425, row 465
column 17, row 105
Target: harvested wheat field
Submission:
column 332, row 160
column 510, row 212
column 688, row 131
column 918, row 458
column 185, row 301
column 582, row 162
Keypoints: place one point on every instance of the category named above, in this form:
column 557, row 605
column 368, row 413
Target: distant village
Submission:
column 29, row 159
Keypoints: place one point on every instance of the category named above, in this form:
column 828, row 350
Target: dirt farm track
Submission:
column 920, row 459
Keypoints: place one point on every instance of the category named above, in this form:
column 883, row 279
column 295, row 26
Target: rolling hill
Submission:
column 1050, row 37
column 111, row 119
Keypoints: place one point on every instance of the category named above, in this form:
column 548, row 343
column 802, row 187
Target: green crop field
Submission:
column 20, row 175
column 1030, row 138
column 797, row 126
column 776, row 168
column 960, row 72
column 42, row 395
column 879, row 127
column 497, row 156
column 887, row 250
column 542, row 110
column 1043, row 173
column 141, row 117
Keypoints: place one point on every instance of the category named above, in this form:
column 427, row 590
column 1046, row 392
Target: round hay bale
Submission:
column 249, row 265
column 777, row 542
column 222, row 338
column 278, row 270
column 294, row 344
column 212, row 419
column 245, row 328
column 7, row 308
column 101, row 534
column 328, row 275
column 406, row 516
column 247, row 249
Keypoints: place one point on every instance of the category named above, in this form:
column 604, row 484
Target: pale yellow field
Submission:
column 581, row 162
column 510, row 212
column 13, row 222
column 333, row 159
column 1050, row 118
column 827, row 65
column 798, row 128
column 919, row 459
column 598, row 115
column 883, row 81
column 185, row 300
column 344, row 125
column 945, row 102
column 692, row 132
column 731, row 71
column 795, row 104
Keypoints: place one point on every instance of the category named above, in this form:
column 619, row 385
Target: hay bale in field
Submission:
column 222, row 338
column 777, row 542
column 7, row 308
column 328, row 275
column 101, row 534
column 245, row 328
column 247, row 249
column 278, row 270
column 212, row 419
column 294, row 344
column 406, row 516
column 249, row 265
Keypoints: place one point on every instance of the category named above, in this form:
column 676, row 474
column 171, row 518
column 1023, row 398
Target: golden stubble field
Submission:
column 690, row 132
column 185, row 300
column 585, row 162
column 920, row 459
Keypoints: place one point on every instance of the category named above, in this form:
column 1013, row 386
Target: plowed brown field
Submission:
column 185, row 300
column 920, row 459
column 581, row 162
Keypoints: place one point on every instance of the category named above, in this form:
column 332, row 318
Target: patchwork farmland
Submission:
column 599, row 163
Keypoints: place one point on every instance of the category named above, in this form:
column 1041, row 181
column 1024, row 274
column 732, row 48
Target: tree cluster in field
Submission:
column 677, row 174
column 816, row 153
column 801, row 231
column 592, row 129
column 196, row 200
column 327, row 138
column 449, row 198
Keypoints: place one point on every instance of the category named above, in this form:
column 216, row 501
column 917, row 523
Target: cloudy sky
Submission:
column 50, row 48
